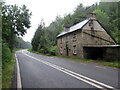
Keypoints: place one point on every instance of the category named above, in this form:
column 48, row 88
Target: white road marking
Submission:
column 19, row 84
column 75, row 75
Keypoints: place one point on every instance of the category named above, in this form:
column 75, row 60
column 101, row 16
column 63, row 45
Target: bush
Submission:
column 43, row 50
column 53, row 50
column 6, row 53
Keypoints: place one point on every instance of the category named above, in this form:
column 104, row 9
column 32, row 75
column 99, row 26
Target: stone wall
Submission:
column 68, row 41
column 111, row 53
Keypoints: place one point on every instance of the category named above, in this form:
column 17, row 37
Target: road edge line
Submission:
column 19, row 84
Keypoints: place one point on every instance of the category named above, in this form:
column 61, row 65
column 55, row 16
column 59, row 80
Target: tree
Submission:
column 53, row 30
column 68, row 20
column 111, row 9
column 15, row 21
column 37, row 37
column 103, row 18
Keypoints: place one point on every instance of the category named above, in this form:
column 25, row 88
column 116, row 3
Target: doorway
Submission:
column 67, row 52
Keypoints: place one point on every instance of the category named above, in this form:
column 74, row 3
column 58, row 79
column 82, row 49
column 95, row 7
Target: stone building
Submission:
column 87, row 39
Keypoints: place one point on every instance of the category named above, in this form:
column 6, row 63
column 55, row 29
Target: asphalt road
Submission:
column 40, row 71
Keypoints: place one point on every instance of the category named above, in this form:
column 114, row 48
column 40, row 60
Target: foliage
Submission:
column 15, row 21
column 43, row 50
column 53, row 30
column 116, row 34
column 39, row 39
column 113, row 20
column 7, row 71
column 6, row 53
column 53, row 50
column 102, row 17
column 7, row 74
column 45, row 37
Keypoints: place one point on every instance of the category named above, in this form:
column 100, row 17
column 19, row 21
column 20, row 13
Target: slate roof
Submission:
column 74, row 28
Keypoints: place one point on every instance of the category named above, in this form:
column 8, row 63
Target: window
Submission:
column 61, row 41
column 74, row 37
column 74, row 49
column 66, row 39
column 61, row 50
column 91, row 24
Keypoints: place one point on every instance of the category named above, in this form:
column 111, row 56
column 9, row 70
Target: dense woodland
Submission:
column 44, row 40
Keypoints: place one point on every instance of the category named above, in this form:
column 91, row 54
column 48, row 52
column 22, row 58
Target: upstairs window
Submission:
column 74, row 49
column 74, row 37
column 66, row 39
column 61, row 41
column 91, row 24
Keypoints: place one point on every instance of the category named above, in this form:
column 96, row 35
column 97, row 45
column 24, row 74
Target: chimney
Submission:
column 91, row 15
column 66, row 28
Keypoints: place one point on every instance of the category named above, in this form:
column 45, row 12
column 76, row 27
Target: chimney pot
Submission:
column 66, row 28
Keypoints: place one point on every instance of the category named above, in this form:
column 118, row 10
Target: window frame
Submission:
column 61, row 50
column 74, row 49
column 60, row 40
column 66, row 38
column 74, row 37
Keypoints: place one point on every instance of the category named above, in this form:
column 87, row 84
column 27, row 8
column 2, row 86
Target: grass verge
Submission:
column 7, row 72
column 114, row 64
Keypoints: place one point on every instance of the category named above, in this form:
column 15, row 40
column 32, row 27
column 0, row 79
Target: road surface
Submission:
column 40, row 71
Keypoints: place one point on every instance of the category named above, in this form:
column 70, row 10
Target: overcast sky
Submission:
column 48, row 10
